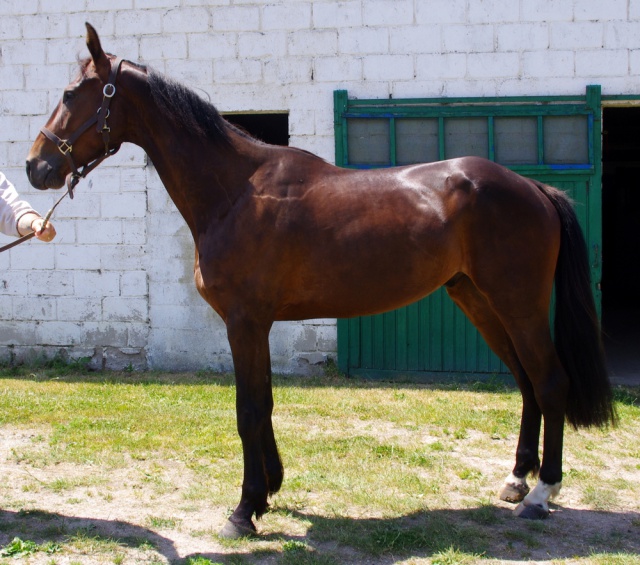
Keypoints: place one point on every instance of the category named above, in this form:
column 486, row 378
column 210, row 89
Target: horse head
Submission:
column 86, row 126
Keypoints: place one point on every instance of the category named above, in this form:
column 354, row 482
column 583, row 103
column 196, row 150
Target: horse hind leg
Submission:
column 532, row 341
column 515, row 487
column 476, row 307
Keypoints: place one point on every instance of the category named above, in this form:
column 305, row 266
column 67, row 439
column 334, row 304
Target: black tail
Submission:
column 577, row 330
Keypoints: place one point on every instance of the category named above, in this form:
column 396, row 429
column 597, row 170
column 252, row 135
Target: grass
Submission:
column 373, row 470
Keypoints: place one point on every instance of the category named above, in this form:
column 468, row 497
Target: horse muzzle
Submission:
column 42, row 175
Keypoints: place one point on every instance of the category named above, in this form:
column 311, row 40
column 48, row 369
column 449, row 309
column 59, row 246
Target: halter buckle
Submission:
column 64, row 147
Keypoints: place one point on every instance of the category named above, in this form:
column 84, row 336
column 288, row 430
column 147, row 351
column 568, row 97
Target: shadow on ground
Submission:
column 44, row 527
column 488, row 531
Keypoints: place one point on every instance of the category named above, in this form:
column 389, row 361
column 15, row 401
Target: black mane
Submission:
column 187, row 109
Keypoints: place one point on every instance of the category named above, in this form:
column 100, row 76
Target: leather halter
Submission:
column 65, row 146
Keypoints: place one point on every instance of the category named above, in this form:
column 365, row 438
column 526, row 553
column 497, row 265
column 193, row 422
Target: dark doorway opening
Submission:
column 621, row 239
column 270, row 128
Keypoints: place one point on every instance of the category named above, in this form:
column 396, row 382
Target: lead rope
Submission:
column 44, row 225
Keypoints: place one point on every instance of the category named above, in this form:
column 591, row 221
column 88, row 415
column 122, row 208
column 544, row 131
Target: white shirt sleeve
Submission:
column 11, row 207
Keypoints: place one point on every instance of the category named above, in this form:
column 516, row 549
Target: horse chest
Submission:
column 209, row 286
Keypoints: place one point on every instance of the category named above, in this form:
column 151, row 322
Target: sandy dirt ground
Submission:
column 154, row 525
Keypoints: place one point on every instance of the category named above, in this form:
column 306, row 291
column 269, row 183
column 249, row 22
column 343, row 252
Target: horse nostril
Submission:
column 28, row 167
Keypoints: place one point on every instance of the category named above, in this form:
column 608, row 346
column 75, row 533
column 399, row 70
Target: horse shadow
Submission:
column 43, row 527
column 487, row 532
column 492, row 531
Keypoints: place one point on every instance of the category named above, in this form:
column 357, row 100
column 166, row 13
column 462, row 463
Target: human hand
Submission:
column 46, row 234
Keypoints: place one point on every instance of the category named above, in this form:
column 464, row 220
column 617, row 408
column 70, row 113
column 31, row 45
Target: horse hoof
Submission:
column 232, row 530
column 531, row 512
column 514, row 492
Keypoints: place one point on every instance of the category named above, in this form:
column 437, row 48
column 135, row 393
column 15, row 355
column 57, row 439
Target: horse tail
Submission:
column 578, row 336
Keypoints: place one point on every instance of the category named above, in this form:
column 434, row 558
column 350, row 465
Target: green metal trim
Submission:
column 527, row 170
column 491, row 136
column 466, row 101
column 340, row 105
column 393, row 159
column 540, row 170
column 441, row 143
column 465, row 111
column 594, row 235
column 343, row 345
column 540, row 141
column 423, row 377
column 619, row 97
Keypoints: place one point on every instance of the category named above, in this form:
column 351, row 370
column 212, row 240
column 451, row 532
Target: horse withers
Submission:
column 280, row 234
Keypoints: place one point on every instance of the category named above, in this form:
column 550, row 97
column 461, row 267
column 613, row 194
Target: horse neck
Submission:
column 201, row 178
column 204, row 178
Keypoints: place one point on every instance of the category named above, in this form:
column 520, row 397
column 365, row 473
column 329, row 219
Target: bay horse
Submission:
column 280, row 234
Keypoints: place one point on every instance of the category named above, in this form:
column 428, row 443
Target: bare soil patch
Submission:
column 144, row 514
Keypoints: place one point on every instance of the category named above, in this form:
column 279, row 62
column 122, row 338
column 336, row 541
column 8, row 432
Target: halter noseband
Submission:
column 100, row 118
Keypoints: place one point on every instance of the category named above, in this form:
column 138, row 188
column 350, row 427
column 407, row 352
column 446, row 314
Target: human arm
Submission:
column 17, row 217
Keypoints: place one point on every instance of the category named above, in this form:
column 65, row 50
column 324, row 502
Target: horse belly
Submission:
column 343, row 285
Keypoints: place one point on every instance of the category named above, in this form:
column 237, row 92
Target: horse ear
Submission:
column 100, row 60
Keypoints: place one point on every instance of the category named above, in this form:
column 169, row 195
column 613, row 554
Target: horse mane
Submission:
column 187, row 109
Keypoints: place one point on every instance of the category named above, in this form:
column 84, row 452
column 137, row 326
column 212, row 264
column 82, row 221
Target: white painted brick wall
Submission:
column 117, row 284
column 509, row 36
column 468, row 39
column 388, row 13
column 337, row 15
column 389, row 67
column 286, row 16
column 441, row 12
column 404, row 39
column 486, row 11
column 576, row 35
column 363, row 41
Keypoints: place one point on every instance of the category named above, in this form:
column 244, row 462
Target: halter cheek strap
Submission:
column 65, row 146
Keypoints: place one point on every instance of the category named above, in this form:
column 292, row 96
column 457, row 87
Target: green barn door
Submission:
column 553, row 139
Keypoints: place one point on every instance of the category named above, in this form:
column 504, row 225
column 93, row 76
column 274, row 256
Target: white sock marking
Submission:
column 541, row 494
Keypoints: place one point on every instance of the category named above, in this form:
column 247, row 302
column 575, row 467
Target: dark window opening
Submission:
column 270, row 128
column 621, row 238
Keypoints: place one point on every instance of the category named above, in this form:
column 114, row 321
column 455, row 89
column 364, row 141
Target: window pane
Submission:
column 416, row 141
column 466, row 136
column 368, row 141
column 516, row 140
column 566, row 139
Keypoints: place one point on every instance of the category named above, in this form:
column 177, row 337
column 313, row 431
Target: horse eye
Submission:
column 67, row 96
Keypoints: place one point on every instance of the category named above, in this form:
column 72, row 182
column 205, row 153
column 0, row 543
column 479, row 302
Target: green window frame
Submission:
column 492, row 110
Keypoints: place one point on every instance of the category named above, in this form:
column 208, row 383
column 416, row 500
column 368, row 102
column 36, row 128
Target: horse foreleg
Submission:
column 272, row 462
column 263, row 473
